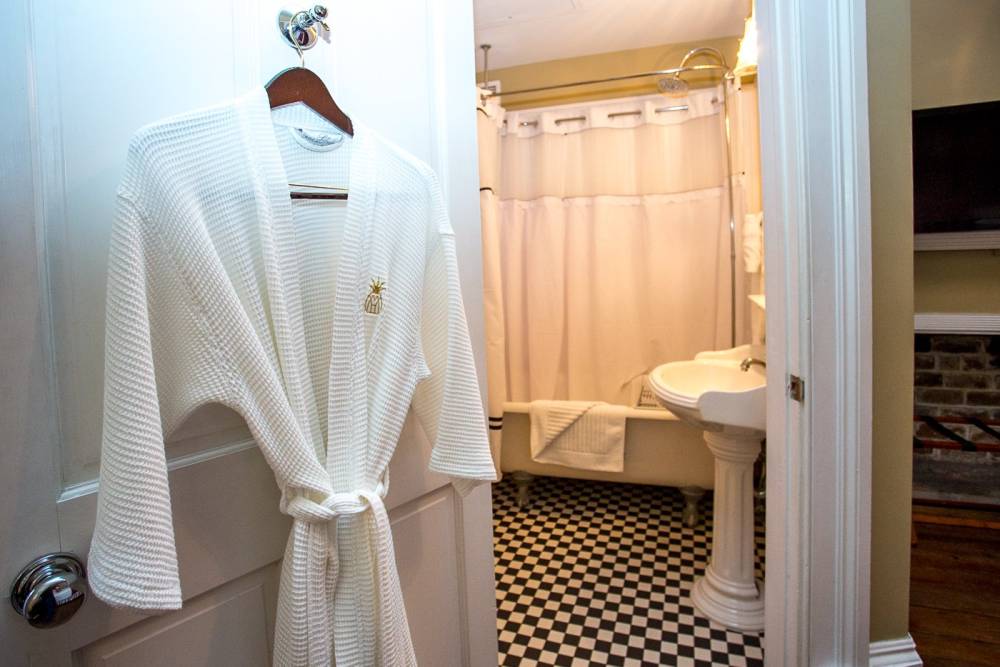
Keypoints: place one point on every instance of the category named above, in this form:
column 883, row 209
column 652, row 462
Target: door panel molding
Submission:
column 229, row 626
column 75, row 491
column 29, row 435
column 425, row 535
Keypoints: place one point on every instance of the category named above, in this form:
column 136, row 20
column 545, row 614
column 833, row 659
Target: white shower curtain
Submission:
column 490, row 123
column 606, row 244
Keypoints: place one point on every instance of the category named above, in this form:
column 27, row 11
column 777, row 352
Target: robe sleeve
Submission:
column 448, row 403
column 151, row 362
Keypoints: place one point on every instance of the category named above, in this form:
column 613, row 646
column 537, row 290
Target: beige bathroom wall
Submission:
column 956, row 60
column 956, row 52
column 599, row 66
column 892, row 313
column 957, row 281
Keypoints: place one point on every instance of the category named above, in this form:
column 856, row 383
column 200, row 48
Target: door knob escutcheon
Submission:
column 49, row 590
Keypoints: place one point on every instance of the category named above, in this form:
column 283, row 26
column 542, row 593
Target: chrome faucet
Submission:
column 750, row 361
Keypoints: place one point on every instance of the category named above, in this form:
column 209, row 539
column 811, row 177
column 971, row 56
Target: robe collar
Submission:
column 313, row 612
column 347, row 408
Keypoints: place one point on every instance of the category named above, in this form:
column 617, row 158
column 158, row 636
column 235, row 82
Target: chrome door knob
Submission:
column 49, row 590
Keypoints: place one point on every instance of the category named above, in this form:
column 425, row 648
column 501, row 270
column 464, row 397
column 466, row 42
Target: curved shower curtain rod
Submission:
column 675, row 72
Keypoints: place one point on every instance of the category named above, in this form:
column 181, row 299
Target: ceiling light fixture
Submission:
column 746, row 58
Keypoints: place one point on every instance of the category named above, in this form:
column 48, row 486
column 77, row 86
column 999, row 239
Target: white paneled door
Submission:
column 78, row 79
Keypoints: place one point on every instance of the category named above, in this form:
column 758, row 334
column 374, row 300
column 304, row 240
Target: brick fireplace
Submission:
column 956, row 424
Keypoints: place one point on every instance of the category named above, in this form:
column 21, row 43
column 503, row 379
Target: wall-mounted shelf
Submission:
column 957, row 323
column 957, row 241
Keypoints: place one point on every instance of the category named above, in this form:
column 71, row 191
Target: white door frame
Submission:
column 814, row 153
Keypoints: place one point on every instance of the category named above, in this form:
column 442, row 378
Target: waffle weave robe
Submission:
column 320, row 323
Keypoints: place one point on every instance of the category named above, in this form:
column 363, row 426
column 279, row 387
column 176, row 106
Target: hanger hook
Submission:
column 301, row 29
column 290, row 29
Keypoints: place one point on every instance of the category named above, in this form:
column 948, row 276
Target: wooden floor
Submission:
column 955, row 595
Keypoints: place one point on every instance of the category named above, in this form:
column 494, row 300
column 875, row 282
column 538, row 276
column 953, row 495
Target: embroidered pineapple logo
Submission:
column 373, row 302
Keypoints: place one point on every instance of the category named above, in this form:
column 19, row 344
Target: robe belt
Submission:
column 313, row 552
column 333, row 506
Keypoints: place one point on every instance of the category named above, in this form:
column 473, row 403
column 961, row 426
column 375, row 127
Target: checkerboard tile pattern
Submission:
column 594, row 573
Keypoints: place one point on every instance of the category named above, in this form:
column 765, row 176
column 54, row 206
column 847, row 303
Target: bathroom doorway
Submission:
column 588, row 151
column 622, row 239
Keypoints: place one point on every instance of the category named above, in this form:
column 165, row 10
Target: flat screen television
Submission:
column 956, row 169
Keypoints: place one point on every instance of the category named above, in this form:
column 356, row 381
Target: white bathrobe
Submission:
column 222, row 289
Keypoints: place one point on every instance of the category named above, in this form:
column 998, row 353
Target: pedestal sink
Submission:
column 713, row 393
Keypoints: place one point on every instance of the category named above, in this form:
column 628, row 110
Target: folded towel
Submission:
column 753, row 242
column 578, row 434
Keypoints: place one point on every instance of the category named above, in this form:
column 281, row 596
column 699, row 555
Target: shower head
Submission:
column 672, row 85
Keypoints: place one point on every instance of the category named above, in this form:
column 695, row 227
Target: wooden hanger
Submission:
column 298, row 84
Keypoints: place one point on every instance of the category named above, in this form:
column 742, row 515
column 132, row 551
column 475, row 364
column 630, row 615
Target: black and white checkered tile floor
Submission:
column 594, row 573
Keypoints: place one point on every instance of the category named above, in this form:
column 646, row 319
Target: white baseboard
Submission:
column 900, row 652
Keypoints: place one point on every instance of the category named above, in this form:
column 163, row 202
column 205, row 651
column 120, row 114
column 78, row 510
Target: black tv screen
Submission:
column 956, row 168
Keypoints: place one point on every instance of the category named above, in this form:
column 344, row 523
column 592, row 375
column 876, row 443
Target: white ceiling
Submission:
column 530, row 31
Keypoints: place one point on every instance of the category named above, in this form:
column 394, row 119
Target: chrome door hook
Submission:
column 300, row 28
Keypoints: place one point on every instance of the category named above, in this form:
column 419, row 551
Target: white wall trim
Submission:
column 957, row 323
column 814, row 149
column 957, row 241
column 900, row 652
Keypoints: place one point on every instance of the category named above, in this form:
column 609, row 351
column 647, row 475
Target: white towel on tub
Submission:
column 578, row 434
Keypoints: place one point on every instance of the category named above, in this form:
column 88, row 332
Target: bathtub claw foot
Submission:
column 691, row 516
column 523, row 482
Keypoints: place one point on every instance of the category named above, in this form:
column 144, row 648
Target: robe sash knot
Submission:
column 313, row 551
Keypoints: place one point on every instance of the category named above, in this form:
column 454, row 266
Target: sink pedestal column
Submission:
column 728, row 593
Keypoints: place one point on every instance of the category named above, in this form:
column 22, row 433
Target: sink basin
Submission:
column 712, row 392
column 734, row 354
